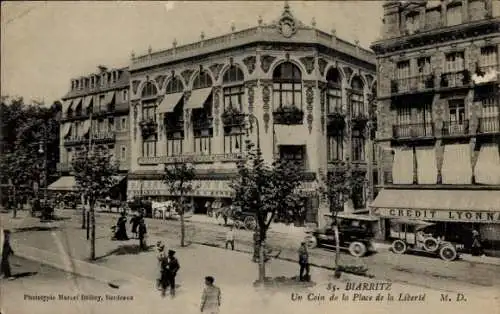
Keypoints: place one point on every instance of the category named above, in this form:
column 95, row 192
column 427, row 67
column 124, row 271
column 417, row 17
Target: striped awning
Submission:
column 169, row 102
column 66, row 129
column 86, row 102
column 65, row 183
column 86, row 127
column 76, row 102
column 108, row 98
column 198, row 98
column 66, row 104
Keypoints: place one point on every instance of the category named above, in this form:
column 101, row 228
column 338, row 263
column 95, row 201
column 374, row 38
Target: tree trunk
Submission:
column 262, row 263
column 92, row 232
column 14, row 210
column 183, row 231
column 337, row 245
column 84, row 216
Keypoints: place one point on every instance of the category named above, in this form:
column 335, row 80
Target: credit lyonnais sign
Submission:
column 440, row 214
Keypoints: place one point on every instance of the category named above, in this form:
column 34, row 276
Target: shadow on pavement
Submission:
column 281, row 282
column 126, row 249
column 25, row 274
column 35, row 228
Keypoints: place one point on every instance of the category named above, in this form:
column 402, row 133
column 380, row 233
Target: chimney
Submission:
column 102, row 68
column 391, row 19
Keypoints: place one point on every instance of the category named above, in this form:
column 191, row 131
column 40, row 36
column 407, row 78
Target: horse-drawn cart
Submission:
column 240, row 218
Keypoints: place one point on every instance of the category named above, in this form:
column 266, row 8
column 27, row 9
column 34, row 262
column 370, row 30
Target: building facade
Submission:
column 294, row 80
column 95, row 113
column 438, row 116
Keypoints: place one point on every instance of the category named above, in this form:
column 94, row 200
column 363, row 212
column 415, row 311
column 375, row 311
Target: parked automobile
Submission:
column 418, row 236
column 356, row 233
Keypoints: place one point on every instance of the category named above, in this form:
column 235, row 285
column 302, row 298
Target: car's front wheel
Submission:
column 357, row 249
column 399, row 247
column 311, row 241
column 448, row 253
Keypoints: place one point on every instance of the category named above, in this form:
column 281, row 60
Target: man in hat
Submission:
column 211, row 298
column 161, row 258
column 303, row 262
column 6, row 253
column 173, row 267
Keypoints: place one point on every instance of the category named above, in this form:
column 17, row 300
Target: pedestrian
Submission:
column 230, row 238
column 303, row 263
column 476, row 243
column 121, row 228
column 134, row 221
column 161, row 258
column 6, row 253
column 142, row 234
column 211, row 297
column 173, row 268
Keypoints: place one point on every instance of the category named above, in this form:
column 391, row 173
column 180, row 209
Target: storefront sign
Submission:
column 440, row 214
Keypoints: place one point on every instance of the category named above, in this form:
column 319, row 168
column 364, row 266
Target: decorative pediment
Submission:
column 135, row 86
column 160, row 79
column 287, row 24
column 308, row 63
column 266, row 61
column 216, row 68
column 322, row 63
column 250, row 63
column 186, row 75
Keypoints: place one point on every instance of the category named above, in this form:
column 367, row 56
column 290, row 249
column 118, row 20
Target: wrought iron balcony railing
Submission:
column 200, row 124
column 456, row 79
column 103, row 137
column 413, row 130
column 413, row 84
column 489, row 125
column 455, row 128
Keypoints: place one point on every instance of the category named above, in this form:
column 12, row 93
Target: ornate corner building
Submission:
column 307, row 90
column 95, row 113
column 438, row 116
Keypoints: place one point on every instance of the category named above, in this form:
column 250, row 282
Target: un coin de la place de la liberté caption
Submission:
column 376, row 292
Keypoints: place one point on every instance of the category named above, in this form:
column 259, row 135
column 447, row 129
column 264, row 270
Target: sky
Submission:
column 46, row 43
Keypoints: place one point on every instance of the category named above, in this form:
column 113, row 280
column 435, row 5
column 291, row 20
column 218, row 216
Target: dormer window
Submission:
column 412, row 23
column 454, row 14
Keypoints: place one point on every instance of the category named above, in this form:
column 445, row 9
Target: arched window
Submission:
column 357, row 97
column 334, row 91
column 149, row 90
column 233, row 98
column 233, row 88
column 202, row 80
column 175, row 86
column 287, row 86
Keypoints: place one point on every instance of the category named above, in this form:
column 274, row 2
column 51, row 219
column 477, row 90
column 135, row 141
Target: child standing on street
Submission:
column 230, row 238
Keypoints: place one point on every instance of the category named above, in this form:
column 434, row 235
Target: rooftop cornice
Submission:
column 286, row 29
column 427, row 37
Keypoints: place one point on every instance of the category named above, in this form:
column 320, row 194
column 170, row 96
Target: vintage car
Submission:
column 356, row 233
column 417, row 235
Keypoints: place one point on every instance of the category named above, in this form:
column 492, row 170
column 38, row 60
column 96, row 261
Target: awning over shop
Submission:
column 66, row 129
column 86, row 127
column 439, row 205
column 86, row 102
column 76, row 102
column 290, row 134
column 169, row 102
column 65, row 183
column 66, row 104
column 198, row 98
column 108, row 98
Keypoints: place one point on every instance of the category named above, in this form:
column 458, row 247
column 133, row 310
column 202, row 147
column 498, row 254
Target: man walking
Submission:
column 142, row 234
column 303, row 262
column 230, row 238
column 211, row 297
column 6, row 253
column 161, row 258
column 173, row 267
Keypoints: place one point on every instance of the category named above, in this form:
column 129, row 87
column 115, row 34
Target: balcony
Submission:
column 486, row 74
column 189, row 157
column 288, row 115
column 414, row 130
column 148, row 127
column 452, row 128
column 64, row 167
column 233, row 117
column 75, row 140
column 336, row 120
column 489, row 125
column 174, row 126
column 359, row 121
column 455, row 79
column 103, row 137
column 420, row 83
column 203, row 123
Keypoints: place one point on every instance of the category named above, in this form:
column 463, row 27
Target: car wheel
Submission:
column 357, row 249
column 311, row 241
column 431, row 244
column 448, row 253
column 399, row 247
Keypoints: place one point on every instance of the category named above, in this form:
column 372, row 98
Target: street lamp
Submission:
column 42, row 149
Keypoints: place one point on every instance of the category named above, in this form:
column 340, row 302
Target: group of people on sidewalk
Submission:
column 138, row 228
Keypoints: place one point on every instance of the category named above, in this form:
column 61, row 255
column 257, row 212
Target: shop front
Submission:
column 455, row 212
